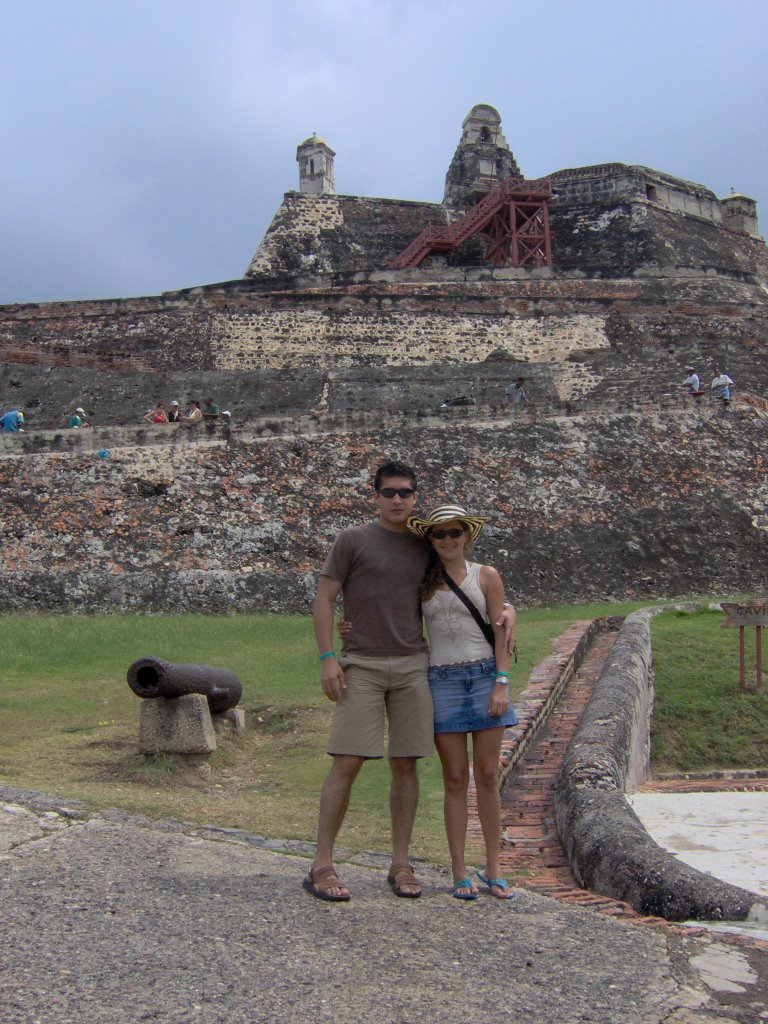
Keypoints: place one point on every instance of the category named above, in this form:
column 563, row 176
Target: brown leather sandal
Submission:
column 320, row 880
column 401, row 875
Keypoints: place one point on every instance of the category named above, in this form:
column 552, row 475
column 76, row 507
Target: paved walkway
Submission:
column 110, row 919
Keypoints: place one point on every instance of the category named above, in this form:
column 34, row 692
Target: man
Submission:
column 382, row 670
column 721, row 387
column 515, row 392
column 693, row 381
column 77, row 419
column 211, row 411
column 12, row 422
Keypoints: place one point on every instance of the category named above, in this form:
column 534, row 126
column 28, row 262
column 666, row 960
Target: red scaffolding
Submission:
column 513, row 220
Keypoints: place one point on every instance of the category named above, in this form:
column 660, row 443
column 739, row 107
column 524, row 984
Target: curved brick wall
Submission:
column 608, row 847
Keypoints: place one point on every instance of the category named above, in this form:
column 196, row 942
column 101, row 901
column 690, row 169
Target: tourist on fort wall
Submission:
column 12, row 422
column 722, row 386
column 158, row 416
column 194, row 413
column 692, row 381
column 381, row 672
column 469, row 681
column 514, row 393
column 174, row 412
column 211, row 410
column 77, row 419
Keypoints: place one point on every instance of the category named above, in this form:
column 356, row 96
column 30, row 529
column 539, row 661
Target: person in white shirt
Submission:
column 721, row 387
column 693, row 381
column 469, row 682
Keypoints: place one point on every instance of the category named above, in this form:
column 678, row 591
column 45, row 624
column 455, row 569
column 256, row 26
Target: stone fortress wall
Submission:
column 612, row 484
column 640, row 504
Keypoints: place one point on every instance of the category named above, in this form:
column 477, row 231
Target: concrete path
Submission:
column 109, row 919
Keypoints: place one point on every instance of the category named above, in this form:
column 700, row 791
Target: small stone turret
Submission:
column 740, row 214
column 315, row 158
column 482, row 159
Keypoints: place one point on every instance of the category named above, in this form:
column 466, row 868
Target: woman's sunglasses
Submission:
column 442, row 534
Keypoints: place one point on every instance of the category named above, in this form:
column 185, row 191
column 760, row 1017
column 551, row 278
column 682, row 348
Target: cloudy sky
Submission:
column 146, row 144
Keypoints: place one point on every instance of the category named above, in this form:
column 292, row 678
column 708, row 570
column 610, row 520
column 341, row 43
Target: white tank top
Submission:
column 454, row 636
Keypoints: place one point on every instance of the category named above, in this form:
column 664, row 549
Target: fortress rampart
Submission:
column 280, row 346
column 623, row 505
column 610, row 484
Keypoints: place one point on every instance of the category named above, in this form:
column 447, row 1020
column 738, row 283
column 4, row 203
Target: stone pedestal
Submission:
column 179, row 726
column 230, row 722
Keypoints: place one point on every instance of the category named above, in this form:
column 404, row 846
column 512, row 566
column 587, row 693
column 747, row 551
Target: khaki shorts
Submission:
column 394, row 687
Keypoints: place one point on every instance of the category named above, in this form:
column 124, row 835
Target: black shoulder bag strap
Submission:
column 486, row 627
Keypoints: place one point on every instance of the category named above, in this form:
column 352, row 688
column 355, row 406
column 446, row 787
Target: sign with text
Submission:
column 753, row 614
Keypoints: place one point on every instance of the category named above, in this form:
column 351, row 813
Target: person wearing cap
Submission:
column 469, row 682
column 693, row 381
column 381, row 672
column 12, row 422
column 174, row 412
column 77, row 419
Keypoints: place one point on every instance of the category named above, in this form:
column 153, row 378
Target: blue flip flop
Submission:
column 498, row 883
column 464, row 884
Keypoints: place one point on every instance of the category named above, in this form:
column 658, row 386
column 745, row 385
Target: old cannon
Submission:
column 153, row 677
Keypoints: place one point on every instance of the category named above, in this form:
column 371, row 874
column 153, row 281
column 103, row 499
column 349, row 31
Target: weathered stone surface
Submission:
column 613, row 506
column 230, row 721
column 179, row 726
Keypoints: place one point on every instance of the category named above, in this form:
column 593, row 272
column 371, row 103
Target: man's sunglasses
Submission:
column 401, row 492
column 442, row 534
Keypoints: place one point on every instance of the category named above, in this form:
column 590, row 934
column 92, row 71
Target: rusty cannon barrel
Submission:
column 153, row 677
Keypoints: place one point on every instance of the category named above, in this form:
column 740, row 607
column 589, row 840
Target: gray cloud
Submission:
column 147, row 146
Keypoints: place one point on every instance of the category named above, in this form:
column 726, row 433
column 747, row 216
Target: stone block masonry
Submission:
column 622, row 506
column 339, row 339
column 407, row 318
column 179, row 726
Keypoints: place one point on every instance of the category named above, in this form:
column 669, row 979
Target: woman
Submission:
column 158, row 416
column 469, row 680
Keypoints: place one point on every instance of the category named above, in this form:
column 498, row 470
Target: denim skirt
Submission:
column 461, row 694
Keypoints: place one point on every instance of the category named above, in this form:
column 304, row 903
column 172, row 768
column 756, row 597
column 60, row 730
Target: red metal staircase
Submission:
column 513, row 220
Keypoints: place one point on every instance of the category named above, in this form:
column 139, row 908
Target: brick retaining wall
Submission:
column 607, row 845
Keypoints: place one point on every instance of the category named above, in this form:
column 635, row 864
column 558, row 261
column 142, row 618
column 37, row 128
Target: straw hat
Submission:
column 444, row 514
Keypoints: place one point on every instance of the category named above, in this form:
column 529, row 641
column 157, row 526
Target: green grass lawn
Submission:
column 70, row 721
column 702, row 720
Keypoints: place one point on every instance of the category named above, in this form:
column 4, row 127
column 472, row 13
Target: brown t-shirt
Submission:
column 380, row 571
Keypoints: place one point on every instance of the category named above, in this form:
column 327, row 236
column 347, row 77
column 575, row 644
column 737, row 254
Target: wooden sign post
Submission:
column 741, row 615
